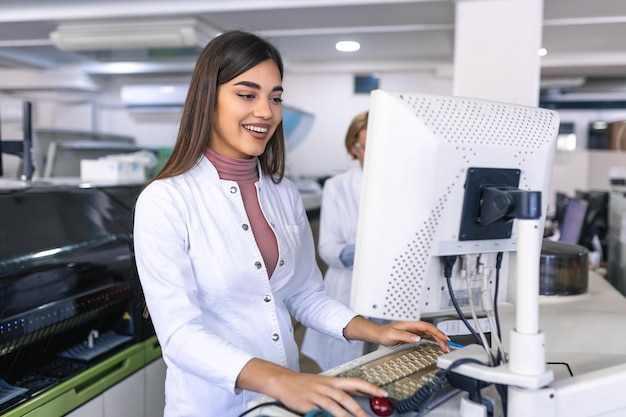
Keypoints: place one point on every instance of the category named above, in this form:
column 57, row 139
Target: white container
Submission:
column 108, row 170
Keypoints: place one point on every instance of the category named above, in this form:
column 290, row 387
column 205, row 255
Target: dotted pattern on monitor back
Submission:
column 463, row 123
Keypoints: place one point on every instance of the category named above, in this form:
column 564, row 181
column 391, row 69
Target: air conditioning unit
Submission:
column 153, row 98
column 129, row 34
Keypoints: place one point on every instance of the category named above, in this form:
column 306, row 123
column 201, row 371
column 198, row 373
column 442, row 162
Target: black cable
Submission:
column 424, row 396
column 495, row 296
column 267, row 404
column 563, row 363
column 503, row 394
column 501, row 389
column 448, row 262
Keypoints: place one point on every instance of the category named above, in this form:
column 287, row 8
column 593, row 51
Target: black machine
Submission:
column 585, row 218
column 69, row 292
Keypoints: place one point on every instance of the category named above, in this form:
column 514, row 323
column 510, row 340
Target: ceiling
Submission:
column 584, row 38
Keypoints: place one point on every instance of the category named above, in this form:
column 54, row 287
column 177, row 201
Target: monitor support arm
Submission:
column 530, row 391
column 525, row 373
column 526, row 368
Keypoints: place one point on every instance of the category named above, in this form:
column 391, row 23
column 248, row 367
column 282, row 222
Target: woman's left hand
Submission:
column 359, row 328
column 411, row 332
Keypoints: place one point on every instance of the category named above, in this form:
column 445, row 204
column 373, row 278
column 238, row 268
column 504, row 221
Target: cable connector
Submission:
column 499, row 257
column 448, row 263
column 485, row 298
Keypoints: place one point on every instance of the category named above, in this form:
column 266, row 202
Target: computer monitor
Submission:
column 427, row 158
column 596, row 226
column 571, row 228
column 561, row 200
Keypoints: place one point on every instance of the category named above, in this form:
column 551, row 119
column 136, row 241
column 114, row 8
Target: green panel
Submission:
column 153, row 349
column 77, row 390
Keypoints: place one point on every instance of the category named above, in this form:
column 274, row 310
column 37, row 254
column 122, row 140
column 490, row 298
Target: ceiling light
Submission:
column 348, row 46
column 542, row 52
column 127, row 34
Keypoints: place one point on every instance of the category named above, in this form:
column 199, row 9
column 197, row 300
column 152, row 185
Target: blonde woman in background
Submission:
column 337, row 236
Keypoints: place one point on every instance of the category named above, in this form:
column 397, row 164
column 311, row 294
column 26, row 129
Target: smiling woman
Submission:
column 225, row 252
column 248, row 111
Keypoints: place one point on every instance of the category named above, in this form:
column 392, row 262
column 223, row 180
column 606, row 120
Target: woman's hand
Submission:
column 302, row 392
column 405, row 332
column 392, row 333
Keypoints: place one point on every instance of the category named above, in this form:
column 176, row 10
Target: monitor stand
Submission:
column 530, row 393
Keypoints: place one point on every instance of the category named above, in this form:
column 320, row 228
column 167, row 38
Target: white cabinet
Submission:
column 140, row 394
column 93, row 408
column 126, row 399
column 155, row 388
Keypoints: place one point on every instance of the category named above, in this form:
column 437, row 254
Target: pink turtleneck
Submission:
column 245, row 173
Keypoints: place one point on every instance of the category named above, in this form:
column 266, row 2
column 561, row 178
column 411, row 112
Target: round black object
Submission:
column 563, row 269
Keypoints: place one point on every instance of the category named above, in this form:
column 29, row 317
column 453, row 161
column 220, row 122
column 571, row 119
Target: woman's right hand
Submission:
column 303, row 392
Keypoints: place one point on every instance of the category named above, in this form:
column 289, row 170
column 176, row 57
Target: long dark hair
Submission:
column 222, row 59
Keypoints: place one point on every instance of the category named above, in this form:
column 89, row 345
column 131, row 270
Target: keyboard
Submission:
column 401, row 370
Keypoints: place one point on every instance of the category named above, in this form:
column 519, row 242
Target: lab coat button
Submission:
column 281, row 263
column 244, row 227
column 267, row 298
column 275, row 337
column 258, row 265
column 233, row 189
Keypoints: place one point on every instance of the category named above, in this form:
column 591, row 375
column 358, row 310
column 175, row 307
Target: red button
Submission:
column 381, row 406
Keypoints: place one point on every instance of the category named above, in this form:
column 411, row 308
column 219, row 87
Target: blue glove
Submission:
column 347, row 256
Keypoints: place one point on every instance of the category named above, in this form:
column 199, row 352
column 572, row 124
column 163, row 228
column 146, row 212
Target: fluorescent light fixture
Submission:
column 347, row 46
column 129, row 34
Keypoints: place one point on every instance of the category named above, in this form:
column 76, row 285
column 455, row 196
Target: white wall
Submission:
column 331, row 99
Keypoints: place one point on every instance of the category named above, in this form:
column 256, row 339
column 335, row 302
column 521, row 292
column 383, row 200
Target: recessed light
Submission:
column 348, row 46
column 542, row 52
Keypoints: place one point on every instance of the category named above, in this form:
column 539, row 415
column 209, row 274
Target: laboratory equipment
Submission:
column 71, row 320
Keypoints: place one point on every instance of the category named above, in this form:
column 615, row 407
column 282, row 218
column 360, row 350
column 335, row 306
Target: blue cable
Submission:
column 318, row 412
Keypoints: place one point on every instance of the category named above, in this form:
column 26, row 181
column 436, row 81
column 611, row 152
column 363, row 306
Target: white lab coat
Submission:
column 207, row 290
column 338, row 228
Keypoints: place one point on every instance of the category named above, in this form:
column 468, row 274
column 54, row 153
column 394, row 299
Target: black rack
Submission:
column 21, row 148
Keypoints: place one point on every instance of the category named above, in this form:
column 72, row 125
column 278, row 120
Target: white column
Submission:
column 495, row 50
